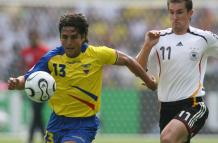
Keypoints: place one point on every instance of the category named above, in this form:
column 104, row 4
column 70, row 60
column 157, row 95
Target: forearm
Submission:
column 142, row 57
column 135, row 68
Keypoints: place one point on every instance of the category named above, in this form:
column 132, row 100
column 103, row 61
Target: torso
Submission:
column 181, row 63
column 79, row 80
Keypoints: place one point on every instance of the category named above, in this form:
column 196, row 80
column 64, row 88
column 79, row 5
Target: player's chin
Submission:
column 177, row 25
column 70, row 54
column 69, row 50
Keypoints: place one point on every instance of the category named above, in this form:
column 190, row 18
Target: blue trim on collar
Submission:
column 84, row 47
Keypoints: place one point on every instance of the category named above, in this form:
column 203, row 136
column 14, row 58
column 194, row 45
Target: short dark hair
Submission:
column 77, row 20
column 188, row 3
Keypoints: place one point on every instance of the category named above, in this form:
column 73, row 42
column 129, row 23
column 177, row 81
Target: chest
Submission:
column 74, row 69
column 180, row 49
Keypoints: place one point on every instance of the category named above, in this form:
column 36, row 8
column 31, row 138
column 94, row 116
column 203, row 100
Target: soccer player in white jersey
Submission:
column 178, row 58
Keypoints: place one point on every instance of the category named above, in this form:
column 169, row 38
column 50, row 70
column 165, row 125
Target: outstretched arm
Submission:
column 135, row 68
column 151, row 38
column 16, row 83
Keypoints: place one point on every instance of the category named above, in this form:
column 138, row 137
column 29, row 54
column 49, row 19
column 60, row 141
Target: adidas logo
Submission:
column 179, row 44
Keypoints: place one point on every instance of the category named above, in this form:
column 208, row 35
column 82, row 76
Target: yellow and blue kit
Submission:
column 79, row 84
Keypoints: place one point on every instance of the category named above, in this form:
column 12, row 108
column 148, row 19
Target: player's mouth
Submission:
column 69, row 49
column 176, row 22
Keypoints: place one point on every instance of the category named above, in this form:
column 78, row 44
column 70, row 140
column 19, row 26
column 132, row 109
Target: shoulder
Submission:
column 52, row 53
column 92, row 48
column 197, row 31
column 165, row 32
column 97, row 47
column 56, row 51
column 206, row 35
column 101, row 52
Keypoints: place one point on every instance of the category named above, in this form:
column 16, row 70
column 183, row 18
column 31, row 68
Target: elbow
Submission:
column 137, row 59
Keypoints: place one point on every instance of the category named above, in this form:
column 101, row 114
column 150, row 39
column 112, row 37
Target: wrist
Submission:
column 148, row 46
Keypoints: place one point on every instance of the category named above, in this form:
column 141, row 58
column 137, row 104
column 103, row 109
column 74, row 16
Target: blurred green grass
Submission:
column 121, row 139
column 150, row 139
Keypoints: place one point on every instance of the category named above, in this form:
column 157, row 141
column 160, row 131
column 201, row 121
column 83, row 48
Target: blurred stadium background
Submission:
column 129, row 111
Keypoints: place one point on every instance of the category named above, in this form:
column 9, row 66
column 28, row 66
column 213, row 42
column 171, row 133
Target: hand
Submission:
column 152, row 84
column 152, row 37
column 13, row 83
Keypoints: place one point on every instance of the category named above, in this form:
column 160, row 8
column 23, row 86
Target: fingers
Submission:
column 152, row 84
column 152, row 38
column 12, row 83
column 154, row 34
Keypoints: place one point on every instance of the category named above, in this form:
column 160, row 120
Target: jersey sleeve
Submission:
column 212, row 49
column 106, row 56
column 42, row 64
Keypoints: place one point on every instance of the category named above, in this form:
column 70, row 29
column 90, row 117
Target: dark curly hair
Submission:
column 77, row 20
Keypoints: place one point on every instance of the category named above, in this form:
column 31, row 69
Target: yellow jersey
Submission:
column 78, row 80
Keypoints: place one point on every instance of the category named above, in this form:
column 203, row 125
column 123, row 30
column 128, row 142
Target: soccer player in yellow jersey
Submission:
column 77, row 69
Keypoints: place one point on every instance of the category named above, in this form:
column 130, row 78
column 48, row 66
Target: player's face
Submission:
column 71, row 41
column 179, row 17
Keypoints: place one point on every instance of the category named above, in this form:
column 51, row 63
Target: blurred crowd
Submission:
column 122, row 28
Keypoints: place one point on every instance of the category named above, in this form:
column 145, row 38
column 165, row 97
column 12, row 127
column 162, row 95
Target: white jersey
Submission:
column 180, row 63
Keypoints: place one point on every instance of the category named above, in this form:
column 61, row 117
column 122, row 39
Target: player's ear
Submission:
column 190, row 13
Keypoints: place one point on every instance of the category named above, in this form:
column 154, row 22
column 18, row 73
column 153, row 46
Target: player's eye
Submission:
column 180, row 12
column 64, row 37
column 171, row 12
column 74, row 36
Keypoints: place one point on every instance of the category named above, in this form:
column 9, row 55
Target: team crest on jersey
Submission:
column 86, row 68
column 194, row 56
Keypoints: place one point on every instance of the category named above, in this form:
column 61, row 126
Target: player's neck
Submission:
column 181, row 31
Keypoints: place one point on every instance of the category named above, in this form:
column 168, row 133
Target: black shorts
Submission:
column 192, row 112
